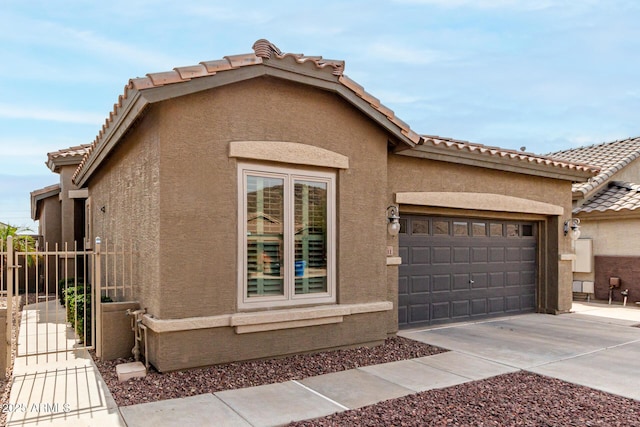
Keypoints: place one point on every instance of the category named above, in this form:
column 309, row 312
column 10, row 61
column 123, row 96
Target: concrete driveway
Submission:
column 586, row 347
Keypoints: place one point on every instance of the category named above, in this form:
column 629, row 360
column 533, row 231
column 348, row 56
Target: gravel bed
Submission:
column 160, row 386
column 516, row 399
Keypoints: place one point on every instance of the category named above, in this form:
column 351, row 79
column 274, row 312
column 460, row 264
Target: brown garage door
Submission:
column 460, row 269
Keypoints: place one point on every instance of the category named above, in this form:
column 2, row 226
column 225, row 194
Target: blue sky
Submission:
column 544, row 74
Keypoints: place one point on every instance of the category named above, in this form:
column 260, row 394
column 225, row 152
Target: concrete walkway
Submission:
column 62, row 387
column 595, row 346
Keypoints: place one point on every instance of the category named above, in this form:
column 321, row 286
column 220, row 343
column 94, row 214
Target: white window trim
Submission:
column 289, row 298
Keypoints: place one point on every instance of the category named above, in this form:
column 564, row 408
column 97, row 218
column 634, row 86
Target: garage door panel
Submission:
column 528, row 278
column 403, row 285
column 479, row 255
column 480, row 280
column 420, row 256
column 461, row 255
column 513, row 278
column 496, row 305
column 441, row 283
column 420, row 284
column 513, row 253
column 496, row 280
column 441, row 255
column 460, row 308
column 419, row 313
column 440, row 311
column 478, row 306
column 529, row 255
column 496, row 255
column 461, row 282
column 528, row 302
column 512, row 303
column 403, row 252
column 459, row 268
column 403, row 314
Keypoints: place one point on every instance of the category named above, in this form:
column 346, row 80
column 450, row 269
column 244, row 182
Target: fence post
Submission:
column 97, row 292
column 9, row 324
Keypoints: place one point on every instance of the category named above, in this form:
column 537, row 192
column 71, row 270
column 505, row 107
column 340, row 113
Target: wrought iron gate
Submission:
column 60, row 290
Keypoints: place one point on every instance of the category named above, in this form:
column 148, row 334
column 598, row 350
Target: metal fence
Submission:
column 61, row 288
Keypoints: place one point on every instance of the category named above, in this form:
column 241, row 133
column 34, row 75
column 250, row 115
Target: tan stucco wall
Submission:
column 221, row 345
column 50, row 223
column 199, row 189
column 117, row 336
column 127, row 186
column 413, row 175
column 619, row 237
column 175, row 191
column 630, row 173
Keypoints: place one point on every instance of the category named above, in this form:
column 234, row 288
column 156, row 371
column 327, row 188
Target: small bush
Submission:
column 75, row 298
column 65, row 284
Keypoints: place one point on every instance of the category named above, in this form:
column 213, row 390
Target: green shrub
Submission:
column 75, row 304
column 65, row 284
column 74, row 299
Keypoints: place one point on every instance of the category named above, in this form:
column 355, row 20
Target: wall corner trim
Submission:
column 288, row 152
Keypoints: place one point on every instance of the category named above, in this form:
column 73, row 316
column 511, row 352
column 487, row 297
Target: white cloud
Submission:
column 9, row 111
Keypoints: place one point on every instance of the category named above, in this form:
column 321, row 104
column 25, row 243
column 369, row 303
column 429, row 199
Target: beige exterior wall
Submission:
column 630, row 173
column 127, row 186
column 555, row 278
column 199, row 189
column 172, row 186
column 167, row 350
column 50, row 223
column 117, row 336
column 617, row 237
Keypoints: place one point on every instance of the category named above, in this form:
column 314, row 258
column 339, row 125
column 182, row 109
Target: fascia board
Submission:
column 494, row 162
column 130, row 112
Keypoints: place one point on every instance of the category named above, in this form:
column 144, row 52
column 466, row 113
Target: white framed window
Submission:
column 287, row 236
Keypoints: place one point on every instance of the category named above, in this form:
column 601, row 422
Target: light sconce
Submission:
column 393, row 220
column 572, row 225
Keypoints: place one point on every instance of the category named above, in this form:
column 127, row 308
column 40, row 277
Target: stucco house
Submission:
column 60, row 208
column 607, row 206
column 259, row 188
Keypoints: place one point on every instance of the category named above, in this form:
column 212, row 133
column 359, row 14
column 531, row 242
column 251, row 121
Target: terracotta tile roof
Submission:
column 518, row 156
column 328, row 70
column 67, row 156
column 263, row 52
column 617, row 196
column 79, row 150
column 610, row 157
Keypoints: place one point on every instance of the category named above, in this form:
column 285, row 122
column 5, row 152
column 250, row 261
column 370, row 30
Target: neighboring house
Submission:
column 257, row 187
column 608, row 206
column 60, row 212
column 60, row 208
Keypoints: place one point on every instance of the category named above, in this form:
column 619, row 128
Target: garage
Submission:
column 461, row 269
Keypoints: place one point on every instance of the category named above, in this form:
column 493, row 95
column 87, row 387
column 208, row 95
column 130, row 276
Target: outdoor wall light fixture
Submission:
column 572, row 225
column 393, row 220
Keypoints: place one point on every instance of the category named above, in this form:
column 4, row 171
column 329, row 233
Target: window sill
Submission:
column 268, row 321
